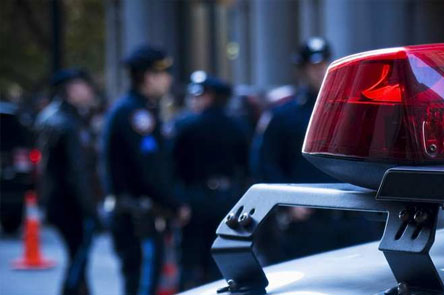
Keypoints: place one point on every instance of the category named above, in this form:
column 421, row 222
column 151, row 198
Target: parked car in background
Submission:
column 18, row 166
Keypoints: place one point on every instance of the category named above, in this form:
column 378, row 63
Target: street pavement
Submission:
column 103, row 269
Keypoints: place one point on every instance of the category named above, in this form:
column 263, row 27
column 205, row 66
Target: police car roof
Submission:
column 358, row 270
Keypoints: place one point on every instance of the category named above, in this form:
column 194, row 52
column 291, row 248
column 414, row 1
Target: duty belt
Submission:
column 126, row 203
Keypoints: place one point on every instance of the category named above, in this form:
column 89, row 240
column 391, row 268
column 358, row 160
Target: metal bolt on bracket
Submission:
column 421, row 216
column 245, row 219
column 405, row 215
column 392, row 291
column 232, row 285
column 403, row 289
column 231, row 220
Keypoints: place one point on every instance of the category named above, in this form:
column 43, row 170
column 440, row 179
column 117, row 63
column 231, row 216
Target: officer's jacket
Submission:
column 209, row 145
column 134, row 154
column 276, row 150
column 64, row 141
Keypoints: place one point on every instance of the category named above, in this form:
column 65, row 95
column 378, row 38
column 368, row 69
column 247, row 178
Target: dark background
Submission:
column 245, row 41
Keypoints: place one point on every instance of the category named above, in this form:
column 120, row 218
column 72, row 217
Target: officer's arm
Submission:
column 105, row 159
column 77, row 172
column 242, row 149
column 297, row 163
column 179, row 153
column 271, row 149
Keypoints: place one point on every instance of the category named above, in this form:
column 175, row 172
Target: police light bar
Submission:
column 377, row 110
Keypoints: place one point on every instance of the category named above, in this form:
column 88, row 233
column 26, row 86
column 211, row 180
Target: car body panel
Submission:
column 358, row 270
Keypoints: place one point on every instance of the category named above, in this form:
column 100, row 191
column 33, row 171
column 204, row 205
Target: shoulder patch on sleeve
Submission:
column 142, row 121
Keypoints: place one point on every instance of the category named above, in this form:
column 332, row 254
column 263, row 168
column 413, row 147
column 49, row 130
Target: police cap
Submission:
column 64, row 76
column 201, row 82
column 148, row 58
column 314, row 50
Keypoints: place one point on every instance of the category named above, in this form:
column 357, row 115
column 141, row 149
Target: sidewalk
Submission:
column 103, row 270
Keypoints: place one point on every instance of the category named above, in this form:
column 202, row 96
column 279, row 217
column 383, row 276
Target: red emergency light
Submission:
column 377, row 110
column 35, row 156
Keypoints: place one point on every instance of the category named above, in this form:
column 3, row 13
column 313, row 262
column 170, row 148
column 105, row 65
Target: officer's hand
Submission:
column 299, row 214
column 184, row 215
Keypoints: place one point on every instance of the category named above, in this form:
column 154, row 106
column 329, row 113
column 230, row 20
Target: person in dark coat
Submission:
column 281, row 130
column 136, row 171
column 278, row 159
column 64, row 139
column 210, row 157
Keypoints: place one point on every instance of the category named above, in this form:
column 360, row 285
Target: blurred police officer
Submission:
column 136, row 170
column 66, row 175
column 281, row 130
column 280, row 135
column 277, row 158
column 210, row 157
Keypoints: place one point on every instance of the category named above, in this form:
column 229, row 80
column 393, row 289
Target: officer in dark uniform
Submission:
column 64, row 139
column 136, row 170
column 278, row 145
column 281, row 130
column 210, row 157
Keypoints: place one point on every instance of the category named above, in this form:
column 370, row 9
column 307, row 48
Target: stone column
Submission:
column 113, row 52
column 274, row 33
column 240, row 39
column 135, row 23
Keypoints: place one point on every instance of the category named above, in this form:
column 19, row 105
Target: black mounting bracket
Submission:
column 408, row 236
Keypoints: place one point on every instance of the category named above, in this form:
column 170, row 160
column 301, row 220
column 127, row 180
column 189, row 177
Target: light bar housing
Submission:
column 378, row 110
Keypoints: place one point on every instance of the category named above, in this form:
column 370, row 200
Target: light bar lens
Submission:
column 385, row 105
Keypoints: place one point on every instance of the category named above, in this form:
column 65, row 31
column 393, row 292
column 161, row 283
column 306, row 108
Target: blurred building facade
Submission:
column 251, row 41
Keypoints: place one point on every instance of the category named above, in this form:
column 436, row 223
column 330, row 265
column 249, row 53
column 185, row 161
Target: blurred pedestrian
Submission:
column 210, row 157
column 281, row 130
column 247, row 107
column 278, row 145
column 277, row 158
column 63, row 138
column 136, row 171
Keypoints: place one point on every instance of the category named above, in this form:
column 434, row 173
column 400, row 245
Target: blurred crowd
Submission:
column 160, row 169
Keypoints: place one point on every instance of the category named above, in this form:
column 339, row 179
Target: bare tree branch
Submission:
column 37, row 32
